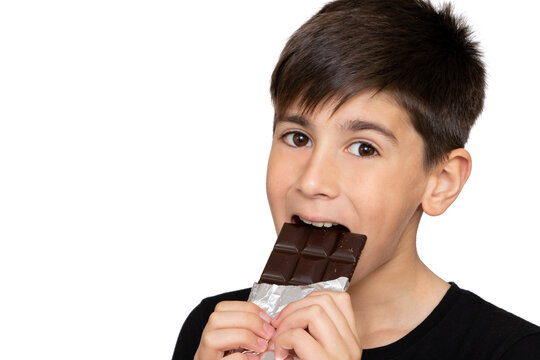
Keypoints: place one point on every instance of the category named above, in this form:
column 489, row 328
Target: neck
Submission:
column 395, row 298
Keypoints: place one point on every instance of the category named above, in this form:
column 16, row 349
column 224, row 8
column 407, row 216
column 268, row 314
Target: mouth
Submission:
column 297, row 219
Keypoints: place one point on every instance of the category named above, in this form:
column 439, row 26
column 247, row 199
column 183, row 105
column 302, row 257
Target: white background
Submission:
column 133, row 144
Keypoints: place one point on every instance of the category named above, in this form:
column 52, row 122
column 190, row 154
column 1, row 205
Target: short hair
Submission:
column 424, row 57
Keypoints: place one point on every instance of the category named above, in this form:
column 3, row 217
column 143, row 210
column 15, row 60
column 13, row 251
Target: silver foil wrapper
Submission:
column 273, row 298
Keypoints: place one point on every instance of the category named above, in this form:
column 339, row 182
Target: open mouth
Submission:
column 318, row 225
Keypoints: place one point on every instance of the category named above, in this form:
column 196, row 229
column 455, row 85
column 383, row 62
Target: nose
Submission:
column 319, row 177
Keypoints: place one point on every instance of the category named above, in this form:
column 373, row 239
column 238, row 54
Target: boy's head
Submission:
column 424, row 58
column 374, row 100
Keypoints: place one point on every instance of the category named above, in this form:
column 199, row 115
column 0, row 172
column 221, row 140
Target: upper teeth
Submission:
column 317, row 224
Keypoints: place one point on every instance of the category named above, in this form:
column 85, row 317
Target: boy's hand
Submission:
column 233, row 325
column 320, row 326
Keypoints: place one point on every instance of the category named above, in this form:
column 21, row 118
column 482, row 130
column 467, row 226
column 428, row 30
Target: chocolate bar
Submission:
column 304, row 255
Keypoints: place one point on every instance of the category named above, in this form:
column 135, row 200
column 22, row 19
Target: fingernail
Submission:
column 263, row 343
column 265, row 316
column 279, row 356
column 269, row 329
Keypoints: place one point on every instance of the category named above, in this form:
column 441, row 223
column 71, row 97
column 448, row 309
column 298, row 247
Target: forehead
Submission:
column 380, row 109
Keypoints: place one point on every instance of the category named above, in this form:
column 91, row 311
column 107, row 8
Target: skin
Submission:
column 371, row 179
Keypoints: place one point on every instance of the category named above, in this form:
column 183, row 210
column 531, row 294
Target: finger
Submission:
column 239, row 319
column 344, row 324
column 299, row 340
column 319, row 325
column 236, row 356
column 240, row 356
column 342, row 301
column 221, row 340
column 241, row 306
column 294, row 306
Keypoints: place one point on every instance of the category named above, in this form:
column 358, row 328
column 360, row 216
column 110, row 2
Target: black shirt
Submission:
column 462, row 326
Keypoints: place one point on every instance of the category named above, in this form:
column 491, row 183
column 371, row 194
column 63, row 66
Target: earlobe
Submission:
column 446, row 181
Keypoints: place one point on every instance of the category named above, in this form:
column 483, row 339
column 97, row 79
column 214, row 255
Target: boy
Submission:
column 374, row 101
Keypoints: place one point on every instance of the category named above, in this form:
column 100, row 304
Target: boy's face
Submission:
column 361, row 167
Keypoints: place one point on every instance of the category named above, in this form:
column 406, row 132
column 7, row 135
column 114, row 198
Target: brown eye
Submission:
column 363, row 149
column 297, row 139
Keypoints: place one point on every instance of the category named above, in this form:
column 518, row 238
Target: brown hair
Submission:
column 424, row 57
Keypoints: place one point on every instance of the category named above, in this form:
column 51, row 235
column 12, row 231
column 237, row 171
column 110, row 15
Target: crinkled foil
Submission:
column 273, row 298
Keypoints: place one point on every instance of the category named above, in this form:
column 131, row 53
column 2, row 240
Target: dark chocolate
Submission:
column 305, row 255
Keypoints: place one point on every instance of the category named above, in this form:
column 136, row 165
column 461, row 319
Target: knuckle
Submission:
column 206, row 340
column 326, row 298
column 212, row 318
column 316, row 310
column 220, row 306
column 251, row 306
column 316, row 293
column 344, row 297
column 297, row 334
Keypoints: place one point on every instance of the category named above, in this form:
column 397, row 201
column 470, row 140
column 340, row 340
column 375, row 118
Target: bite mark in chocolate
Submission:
column 305, row 255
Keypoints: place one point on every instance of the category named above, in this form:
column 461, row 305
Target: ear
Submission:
column 446, row 181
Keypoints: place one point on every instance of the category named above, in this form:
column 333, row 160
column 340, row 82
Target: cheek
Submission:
column 391, row 188
column 282, row 171
column 384, row 221
column 274, row 176
column 385, row 204
column 277, row 186
column 388, row 207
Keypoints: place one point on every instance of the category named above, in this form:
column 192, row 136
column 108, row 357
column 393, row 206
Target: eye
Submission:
column 296, row 139
column 363, row 149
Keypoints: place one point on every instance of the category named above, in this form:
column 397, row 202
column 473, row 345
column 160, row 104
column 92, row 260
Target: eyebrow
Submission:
column 358, row 125
column 297, row 119
column 351, row 125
